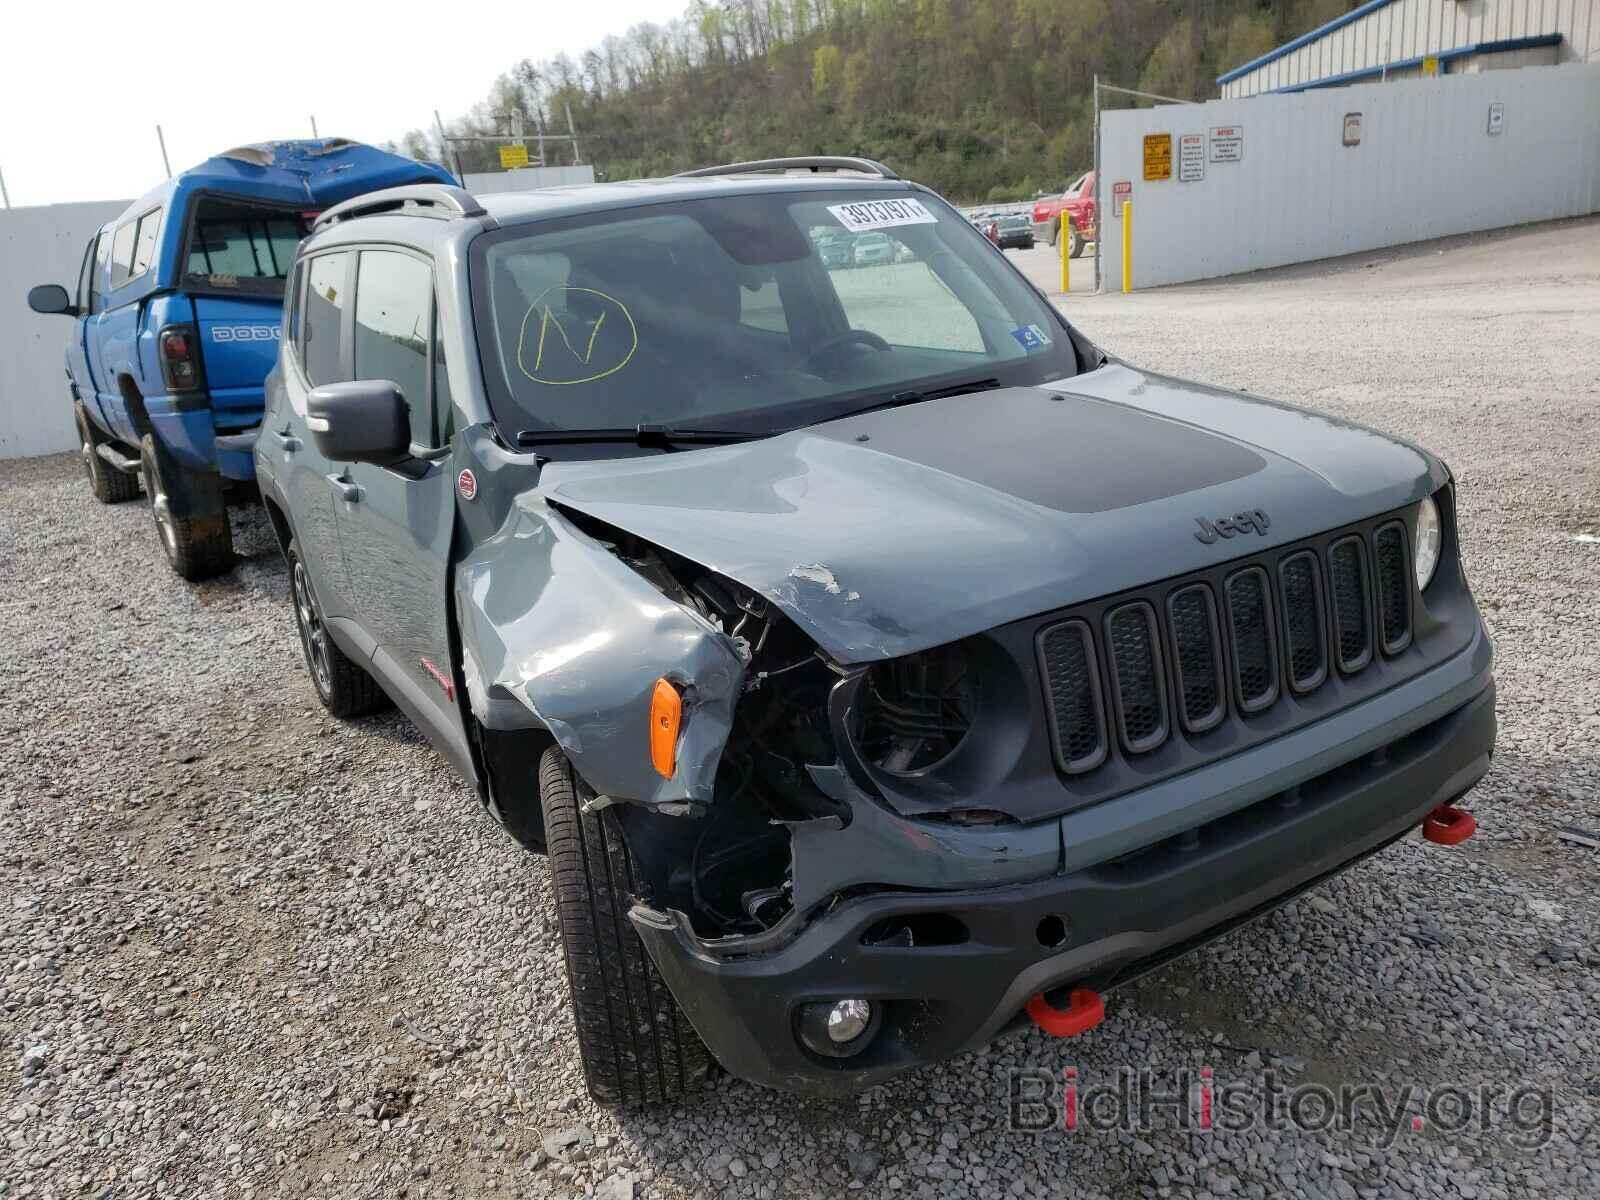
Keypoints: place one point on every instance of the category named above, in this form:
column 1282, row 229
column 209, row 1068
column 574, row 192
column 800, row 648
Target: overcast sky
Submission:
column 83, row 83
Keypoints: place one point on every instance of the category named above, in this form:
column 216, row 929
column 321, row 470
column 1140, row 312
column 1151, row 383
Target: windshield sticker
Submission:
column 592, row 336
column 881, row 214
column 1031, row 337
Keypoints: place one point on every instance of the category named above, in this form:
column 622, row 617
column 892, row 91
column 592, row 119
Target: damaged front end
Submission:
column 771, row 812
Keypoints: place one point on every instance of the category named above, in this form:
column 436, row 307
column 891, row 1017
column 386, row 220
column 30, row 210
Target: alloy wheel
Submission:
column 313, row 635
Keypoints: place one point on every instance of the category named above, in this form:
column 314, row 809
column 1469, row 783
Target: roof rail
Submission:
column 450, row 201
column 815, row 163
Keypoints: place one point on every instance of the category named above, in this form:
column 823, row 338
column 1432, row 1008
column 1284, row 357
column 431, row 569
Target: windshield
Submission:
column 739, row 313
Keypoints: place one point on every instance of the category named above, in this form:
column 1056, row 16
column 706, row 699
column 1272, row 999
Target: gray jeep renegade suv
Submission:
column 879, row 663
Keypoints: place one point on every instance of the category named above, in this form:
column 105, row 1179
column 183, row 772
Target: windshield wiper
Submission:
column 665, row 436
column 913, row 396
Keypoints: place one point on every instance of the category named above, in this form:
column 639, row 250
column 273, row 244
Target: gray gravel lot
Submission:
column 245, row 949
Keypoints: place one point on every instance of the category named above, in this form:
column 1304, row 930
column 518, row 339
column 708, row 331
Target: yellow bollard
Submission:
column 1127, row 245
column 1065, row 243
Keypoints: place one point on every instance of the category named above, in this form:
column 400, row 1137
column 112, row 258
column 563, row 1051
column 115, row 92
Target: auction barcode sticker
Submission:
column 881, row 214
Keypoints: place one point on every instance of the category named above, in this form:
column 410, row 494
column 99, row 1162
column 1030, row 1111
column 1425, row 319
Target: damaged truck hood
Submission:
column 892, row 531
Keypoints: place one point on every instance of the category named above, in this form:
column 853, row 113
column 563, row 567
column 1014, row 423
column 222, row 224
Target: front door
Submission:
column 396, row 529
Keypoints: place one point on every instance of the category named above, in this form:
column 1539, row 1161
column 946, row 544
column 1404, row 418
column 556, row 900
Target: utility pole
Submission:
column 446, row 150
column 162, row 138
column 4, row 195
column 314, row 132
column 577, row 154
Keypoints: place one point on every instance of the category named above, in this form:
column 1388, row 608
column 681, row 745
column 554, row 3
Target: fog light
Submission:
column 838, row 1028
column 848, row 1020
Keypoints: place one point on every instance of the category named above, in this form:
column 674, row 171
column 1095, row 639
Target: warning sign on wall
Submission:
column 1191, row 158
column 1157, row 156
column 1227, row 143
column 512, row 157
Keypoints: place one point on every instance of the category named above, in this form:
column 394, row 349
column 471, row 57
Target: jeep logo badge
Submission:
column 1227, row 527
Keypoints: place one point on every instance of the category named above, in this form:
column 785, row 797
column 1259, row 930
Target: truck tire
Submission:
column 109, row 485
column 1055, row 230
column 1075, row 250
column 343, row 686
column 191, row 517
column 636, row 1045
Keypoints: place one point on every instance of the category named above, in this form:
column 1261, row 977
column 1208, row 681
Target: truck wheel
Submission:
column 344, row 687
column 1076, row 249
column 110, row 486
column 636, row 1045
column 193, row 523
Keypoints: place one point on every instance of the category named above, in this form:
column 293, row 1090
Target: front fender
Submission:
column 558, row 633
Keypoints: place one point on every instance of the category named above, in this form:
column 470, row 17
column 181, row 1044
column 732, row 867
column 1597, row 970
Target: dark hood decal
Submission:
column 957, row 515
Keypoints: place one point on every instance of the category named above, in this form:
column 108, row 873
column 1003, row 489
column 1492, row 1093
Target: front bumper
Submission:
column 1125, row 915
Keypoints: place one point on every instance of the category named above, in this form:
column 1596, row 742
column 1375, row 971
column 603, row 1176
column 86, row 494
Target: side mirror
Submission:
column 51, row 299
column 364, row 421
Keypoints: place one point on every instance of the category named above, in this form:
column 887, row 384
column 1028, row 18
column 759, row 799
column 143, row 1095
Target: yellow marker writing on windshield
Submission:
column 610, row 363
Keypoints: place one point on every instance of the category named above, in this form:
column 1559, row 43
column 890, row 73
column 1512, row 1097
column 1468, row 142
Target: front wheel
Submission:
column 109, row 485
column 636, row 1045
column 191, row 516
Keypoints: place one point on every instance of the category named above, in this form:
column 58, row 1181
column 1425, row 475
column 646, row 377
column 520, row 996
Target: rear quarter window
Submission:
column 122, row 255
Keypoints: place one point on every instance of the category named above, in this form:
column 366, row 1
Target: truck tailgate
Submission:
column 239, row 345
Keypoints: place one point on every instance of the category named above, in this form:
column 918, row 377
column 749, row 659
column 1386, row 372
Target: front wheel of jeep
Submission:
column 636, row 1045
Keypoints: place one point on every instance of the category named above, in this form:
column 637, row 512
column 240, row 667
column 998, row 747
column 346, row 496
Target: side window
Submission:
column 85, row 297
column 394, row 314
column 291, row 307
column 324, row 317
column 144, row 243
column 102, row 259
column 122, row 255
column 444, row 412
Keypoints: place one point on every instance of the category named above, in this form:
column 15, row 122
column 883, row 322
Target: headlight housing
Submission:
column 915, row 712
column 1428, row 543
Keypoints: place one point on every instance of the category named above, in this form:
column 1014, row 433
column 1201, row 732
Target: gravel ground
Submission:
column 245, row 949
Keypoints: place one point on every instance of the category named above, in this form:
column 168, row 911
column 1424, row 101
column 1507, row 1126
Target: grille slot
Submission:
column 1139, row 692
column 1347, row 569
column 1077, row 725
column 1394, row 586
column 1304, row 621
column 1255, row 663
column 1197, row 654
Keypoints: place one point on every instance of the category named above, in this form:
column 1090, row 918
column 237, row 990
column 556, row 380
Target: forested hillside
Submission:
column 982, row 99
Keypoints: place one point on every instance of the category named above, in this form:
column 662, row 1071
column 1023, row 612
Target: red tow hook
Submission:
column 1448, row 825
column 1084, row 1011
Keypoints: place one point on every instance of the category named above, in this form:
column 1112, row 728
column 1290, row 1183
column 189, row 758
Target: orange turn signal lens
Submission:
column 666, row 713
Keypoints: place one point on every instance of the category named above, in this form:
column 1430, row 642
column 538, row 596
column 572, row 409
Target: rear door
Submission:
column 396, row 528
column 318, row 352
column 114, row 331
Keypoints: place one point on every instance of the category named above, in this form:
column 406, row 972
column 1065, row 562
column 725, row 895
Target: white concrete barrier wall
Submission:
column 1426, row 166
column 39, row 245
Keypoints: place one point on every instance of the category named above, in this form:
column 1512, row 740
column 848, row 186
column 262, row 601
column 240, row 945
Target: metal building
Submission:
column 1397, row 39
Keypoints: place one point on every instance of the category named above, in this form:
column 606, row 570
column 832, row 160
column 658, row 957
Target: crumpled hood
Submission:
column 890, row 532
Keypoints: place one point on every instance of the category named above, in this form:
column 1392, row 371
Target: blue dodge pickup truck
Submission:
column 178, row 305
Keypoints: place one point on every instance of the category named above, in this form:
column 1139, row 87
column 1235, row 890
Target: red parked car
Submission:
column 1077, row 200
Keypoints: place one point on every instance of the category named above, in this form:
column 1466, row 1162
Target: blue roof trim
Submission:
column 1355, row 14
column 1405, row 64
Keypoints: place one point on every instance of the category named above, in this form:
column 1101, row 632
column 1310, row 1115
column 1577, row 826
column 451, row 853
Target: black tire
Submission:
column 636, row 1045
column 109, row 485
column 1075, row 250
column 1055, row 231
column 191, row 516
column 344, row 687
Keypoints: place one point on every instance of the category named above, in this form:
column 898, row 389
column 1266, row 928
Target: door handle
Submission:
column 287, row 441
column 346, row 489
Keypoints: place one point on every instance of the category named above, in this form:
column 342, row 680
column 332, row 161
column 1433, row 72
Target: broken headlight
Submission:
column 913, row 713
